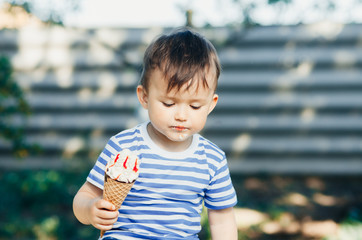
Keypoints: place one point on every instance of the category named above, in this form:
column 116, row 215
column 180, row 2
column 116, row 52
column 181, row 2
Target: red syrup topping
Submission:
column 135, row 169
column 115, row 160
column 125, row 162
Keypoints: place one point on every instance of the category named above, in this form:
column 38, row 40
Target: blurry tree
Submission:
column 38, row 205
column 13, row 108
column 255, row 12
column 51, row 11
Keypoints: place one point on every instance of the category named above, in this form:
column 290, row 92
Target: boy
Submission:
column 179, row 168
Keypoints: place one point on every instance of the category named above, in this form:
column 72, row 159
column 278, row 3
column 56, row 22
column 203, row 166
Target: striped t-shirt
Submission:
column 166, row 200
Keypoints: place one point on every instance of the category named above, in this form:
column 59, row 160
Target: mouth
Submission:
column 179, row 128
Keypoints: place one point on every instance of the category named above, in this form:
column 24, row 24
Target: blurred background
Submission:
column 289, row 116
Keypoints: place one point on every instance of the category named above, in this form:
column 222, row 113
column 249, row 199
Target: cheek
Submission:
column 199, row 119
column 157, row 112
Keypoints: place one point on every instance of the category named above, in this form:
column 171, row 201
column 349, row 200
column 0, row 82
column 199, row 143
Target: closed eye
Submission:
column 195, row 107
column 168, row 104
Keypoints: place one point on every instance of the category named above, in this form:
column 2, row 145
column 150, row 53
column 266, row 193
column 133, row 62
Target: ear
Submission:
column 215, row 98
column 142, row 96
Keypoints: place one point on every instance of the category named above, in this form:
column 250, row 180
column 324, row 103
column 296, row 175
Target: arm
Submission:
column 222, row 224
column 90, row 208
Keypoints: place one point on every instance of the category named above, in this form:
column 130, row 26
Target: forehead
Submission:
column 161, row 81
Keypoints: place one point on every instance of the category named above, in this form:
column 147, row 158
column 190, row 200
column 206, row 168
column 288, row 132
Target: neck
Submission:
column 163, row 142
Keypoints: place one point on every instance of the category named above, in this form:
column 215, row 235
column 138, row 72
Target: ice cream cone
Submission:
column 120, row 174
column 115, row 192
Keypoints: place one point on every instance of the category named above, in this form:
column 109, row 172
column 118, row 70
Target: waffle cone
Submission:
column 115, row 192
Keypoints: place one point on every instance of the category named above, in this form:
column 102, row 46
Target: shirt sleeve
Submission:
column 220, row 193
column 96, row 175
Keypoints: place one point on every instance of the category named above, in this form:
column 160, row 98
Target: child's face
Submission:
column 178, row 114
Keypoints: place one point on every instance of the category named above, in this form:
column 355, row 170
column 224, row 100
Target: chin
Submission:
column 180, row 137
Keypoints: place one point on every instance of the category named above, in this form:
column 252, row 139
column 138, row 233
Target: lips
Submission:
column 179, row 128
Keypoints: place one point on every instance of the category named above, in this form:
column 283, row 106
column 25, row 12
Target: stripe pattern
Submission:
column 166, row 200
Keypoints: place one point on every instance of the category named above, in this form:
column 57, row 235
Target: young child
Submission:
column 179, row 170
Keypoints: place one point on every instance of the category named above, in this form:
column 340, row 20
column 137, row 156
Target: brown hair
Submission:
column 180, row 56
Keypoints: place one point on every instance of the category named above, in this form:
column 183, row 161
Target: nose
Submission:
column 181, row 114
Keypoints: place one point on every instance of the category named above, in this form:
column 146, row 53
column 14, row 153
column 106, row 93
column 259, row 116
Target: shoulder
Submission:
column 128, row 132
column 127, row 136
column 214, row 155
column 210, row 147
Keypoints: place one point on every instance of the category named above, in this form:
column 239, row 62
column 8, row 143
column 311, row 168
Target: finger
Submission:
column 106, row 221
column 103, row 227
column 104, row 218
column 105, row 214
column 104, row 204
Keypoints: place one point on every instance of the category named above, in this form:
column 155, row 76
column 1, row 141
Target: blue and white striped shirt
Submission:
column 166, row 200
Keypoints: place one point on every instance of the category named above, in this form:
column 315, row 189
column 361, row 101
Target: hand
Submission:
column 102, row 214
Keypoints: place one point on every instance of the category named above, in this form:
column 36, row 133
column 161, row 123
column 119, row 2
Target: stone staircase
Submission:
column 290, row 97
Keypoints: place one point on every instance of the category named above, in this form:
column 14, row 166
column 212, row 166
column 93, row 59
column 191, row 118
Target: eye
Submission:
column 168, row 104
column 195, row 107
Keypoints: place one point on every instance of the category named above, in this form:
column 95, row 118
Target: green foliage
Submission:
column 13, row 107
column 10, row 89
column 205, row 228
column 22, row 4
column 50, row 12
column 38, row 205
column 279, row 1
column 351, row 227
column 292, row 12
